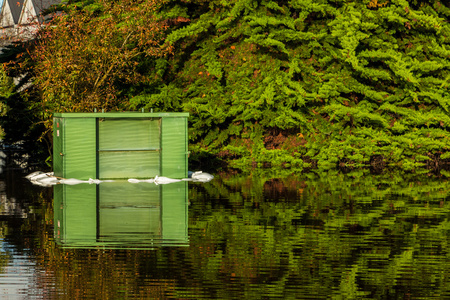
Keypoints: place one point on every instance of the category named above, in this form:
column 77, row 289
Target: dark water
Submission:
column 264, row 236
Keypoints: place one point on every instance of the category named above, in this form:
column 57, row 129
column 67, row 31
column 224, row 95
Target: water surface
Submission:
column 261, row 236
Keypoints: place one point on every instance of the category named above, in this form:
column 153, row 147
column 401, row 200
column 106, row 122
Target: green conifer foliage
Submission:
column 288, row 83
column 276, row 82
column 396, row 61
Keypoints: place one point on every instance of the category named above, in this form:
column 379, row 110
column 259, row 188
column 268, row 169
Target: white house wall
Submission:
column 23, row 20
column 28, row 22
column 7, row 29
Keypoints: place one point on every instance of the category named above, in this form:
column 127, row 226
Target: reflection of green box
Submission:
column 121, row 215
column 120, row 145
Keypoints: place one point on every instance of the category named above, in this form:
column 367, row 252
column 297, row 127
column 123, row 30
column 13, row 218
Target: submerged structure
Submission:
column 120, row 145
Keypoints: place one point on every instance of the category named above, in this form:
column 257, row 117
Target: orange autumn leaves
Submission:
column 85, row 54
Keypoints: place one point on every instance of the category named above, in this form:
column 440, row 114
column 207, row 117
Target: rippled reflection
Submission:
column 121, row 214
column 18, row 274
column 327, row 236
column 18, row 271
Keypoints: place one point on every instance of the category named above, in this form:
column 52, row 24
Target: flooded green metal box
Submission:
column 120, row 145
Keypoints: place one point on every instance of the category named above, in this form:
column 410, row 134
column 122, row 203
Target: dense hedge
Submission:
column 323, row 82
column 300, row 83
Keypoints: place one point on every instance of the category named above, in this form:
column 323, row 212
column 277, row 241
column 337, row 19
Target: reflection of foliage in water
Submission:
column 5, row 257
column 349, row 236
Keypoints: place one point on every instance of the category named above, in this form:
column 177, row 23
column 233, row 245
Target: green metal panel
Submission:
column 129, row 134
column 123, row 165
column 129, row 148
column 121, row 115
column 58, row 134
column 120, row 145
column 174, row 147
column 79, row 150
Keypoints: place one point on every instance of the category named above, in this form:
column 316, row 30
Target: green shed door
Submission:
column 174, row 147
column 128, row 148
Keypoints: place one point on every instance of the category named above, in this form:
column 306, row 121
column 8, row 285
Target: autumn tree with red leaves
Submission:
column 90, row 52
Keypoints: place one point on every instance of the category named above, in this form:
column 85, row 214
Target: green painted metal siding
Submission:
column 129, row 148
column 129, row 134
column 174, row 147
column 74, row 148
column 58, row 127
column 79, row 154
column 120, row 145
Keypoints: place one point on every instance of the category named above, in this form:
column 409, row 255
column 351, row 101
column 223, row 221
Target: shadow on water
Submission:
column 353, row 235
